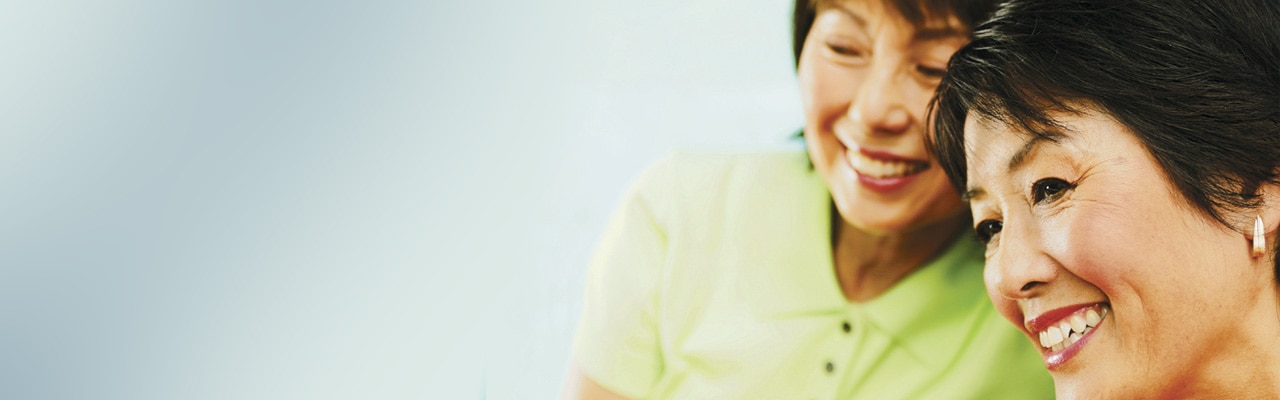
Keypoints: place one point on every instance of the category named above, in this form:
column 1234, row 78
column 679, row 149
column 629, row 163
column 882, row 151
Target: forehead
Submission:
column 915, row 15
column 993, row 153
column 994, row 148
column 986, row 142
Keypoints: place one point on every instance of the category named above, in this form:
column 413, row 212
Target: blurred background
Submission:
column 374, row 199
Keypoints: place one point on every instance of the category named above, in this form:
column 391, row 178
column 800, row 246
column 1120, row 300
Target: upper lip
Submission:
column 887, row 156
column 1052, row 317
column 877, row 154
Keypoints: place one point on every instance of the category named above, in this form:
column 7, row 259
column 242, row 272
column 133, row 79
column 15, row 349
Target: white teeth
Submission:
column 877, row 168
column 1077, row 323
column 1072, row 339
column 1071, row 329
column 1054, row 335
column 1092, row 318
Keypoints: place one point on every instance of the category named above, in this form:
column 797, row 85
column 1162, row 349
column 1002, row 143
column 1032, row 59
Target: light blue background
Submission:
column 278, row 199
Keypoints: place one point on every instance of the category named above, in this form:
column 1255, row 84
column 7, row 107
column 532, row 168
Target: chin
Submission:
column 1101, row 385
column 1083, row 391
column 875, row 224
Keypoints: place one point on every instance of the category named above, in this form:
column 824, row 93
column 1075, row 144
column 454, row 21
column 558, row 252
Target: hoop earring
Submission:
column 1259, row 238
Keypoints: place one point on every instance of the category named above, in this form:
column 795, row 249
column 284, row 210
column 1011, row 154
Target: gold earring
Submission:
column 1259, row 238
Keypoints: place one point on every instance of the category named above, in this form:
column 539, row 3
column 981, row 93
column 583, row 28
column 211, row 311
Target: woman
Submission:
column 1121, row 160
column 833, row 275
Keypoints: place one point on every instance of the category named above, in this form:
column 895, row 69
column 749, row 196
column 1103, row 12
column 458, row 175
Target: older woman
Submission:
column 1120, row 158
column 836, row 273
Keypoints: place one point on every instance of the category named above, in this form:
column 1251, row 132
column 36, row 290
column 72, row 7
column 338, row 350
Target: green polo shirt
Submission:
column 715, row 281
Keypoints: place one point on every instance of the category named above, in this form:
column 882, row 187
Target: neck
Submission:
column 1248, row 364
column 868, row 264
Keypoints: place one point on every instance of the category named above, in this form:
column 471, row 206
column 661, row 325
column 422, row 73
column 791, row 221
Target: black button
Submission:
column 845, row 327
column 830, row 367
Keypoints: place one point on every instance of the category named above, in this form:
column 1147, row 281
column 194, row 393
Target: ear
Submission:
column 1269, row 211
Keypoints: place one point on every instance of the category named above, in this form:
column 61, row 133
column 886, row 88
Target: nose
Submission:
column 880, row 104
column 1020, row 268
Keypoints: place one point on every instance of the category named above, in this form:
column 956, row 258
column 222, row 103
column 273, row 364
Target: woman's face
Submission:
column 1127, row 289
column 866, row 76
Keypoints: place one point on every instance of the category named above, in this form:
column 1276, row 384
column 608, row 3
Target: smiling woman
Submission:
column 837, row 273
column 1121, row 160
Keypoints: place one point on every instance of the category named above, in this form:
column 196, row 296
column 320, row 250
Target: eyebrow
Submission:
column 1020, row 157
column 862, row 23
column 930, row 34
column 920, row 34
column 1015, row 161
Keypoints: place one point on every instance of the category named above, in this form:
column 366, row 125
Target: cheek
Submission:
column 916, row 97
column 826, row 91
column 943, row 192
column 1100, row 245
column 826, row 98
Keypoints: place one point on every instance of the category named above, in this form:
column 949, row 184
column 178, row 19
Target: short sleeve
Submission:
column 617, row 344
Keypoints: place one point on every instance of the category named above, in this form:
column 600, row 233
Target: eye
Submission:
column 1048, row 189
column 846, row 51
column 931, row 73
column 988, row 229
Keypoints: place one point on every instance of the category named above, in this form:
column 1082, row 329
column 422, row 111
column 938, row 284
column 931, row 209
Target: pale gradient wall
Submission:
column 271, row 199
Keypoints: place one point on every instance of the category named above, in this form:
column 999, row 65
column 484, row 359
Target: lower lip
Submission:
column 1056, row 359
column 884, row 185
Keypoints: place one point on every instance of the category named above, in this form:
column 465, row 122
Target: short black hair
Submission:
column 917, row 12
column 1197, row 82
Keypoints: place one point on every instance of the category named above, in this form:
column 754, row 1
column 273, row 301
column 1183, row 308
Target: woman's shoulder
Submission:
column 742, row 197
column 698, row 182
column 722, row 163
column 731, row 174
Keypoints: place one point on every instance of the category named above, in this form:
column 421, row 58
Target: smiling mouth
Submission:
column 880, row 168
column 1070, row 329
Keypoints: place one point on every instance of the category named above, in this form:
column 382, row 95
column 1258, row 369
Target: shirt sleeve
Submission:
column 617, row 343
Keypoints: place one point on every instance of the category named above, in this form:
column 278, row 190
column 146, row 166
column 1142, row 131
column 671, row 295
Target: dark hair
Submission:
column 1198, row 83
column 917, row 12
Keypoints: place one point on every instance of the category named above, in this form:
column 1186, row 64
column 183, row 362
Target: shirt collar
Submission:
column 924, row 312
column 932, row 310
